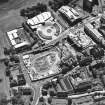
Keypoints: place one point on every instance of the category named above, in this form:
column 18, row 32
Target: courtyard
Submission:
column 42, row 65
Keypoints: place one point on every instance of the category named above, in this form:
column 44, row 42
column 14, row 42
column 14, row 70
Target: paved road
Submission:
column 61, row 36
column 32, row 84
column 35, row 87
column 5, row 25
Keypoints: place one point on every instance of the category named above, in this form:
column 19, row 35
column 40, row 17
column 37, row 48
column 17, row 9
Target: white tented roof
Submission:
column 70, row 12
column 39, row 18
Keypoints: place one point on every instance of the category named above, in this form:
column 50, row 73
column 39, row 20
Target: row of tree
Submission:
column 34, row 10
column 56, row 4
column 3, row 1
column 3, row 99
column 49, row 100
column 88, row 5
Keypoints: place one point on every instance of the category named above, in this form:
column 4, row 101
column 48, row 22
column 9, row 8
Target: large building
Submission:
column 76, row 81
column 102, row 5
column 92, row 98
column 18, row 38
column 39, row 19
column 79, row 37
column 92, row 30
column 80, row 79
column 45, row 27
column 70, row 14
column 58, row 101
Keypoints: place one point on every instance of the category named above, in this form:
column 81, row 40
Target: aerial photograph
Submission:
column 52, row 52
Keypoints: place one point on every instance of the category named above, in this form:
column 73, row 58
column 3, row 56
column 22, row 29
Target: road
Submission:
column 10, row 19
column 33, row 85
column 37, row 94
column 86, row 94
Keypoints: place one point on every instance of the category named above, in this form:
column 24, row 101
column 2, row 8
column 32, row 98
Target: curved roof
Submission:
column 39, row 18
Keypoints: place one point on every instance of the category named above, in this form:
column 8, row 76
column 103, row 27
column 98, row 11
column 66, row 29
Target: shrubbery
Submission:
column 33, row 11
column 56, row 4
column 3, row 1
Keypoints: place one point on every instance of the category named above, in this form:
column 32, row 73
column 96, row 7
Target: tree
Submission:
column 56, row 4
column 41, row 99
column 86, row 61
column 31, row 98
column 87, row 5
column 69, row 101
column 44, row 93
column 50, row 3
column 49, row 100
column 3, row 99
column 12, row 50
column 6, row 62
column 62, row 94
column 65, row 67
column 22, row 12
column 15, row 92
column 17, row 100
column 41, row 7
column 21, row 101
column 14, row 100
column 54, row 83
column 13, row 83
column 34, row 10
column 52, row 93
column 7, row 71
column 14, row 58
column 3, row 1
column 46, row 86
column 6, row 51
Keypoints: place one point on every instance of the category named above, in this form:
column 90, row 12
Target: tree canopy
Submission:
column 3, row 1
column 3, row 99
column 30, row 12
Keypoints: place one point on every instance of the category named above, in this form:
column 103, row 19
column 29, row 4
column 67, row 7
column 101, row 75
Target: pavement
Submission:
column 33, row 85
column 37, row 86
column 10, row 19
